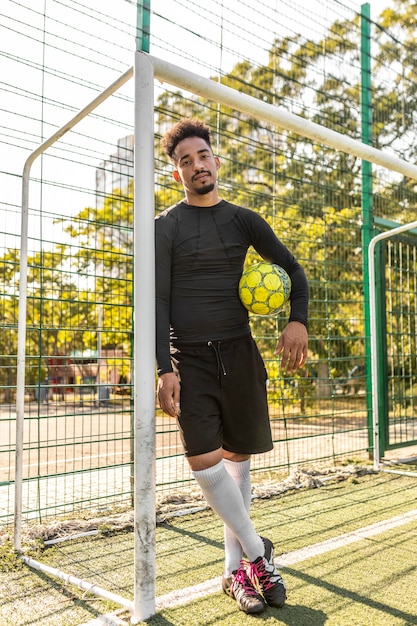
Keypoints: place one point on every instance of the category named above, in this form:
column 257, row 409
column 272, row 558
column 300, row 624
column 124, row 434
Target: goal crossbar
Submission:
column 264, row 111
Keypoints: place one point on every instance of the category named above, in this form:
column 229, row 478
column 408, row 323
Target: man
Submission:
column 211, row 375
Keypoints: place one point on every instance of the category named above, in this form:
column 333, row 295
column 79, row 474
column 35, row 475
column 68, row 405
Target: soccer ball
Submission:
column 264, row 288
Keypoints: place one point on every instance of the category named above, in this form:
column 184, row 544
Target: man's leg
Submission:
column 240, row 472
column 214, row 420
column 225, row 498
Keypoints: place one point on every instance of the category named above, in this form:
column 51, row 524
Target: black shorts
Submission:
column 223, row 397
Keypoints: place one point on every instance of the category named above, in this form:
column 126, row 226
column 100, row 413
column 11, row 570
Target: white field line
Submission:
column 181, row 596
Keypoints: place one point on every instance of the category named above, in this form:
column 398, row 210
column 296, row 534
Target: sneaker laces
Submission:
column 264, row 574
column 242, row 580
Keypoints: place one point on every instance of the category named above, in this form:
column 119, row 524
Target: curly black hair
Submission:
column 187, row 127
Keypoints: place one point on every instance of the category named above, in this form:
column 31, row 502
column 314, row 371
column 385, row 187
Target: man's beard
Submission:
column 206, row 189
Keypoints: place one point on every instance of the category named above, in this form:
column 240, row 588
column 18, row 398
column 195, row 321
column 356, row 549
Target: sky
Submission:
column 297, row 16
column 112, row 54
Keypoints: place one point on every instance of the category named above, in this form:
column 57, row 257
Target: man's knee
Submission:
column 204, row 461
column 235, row 456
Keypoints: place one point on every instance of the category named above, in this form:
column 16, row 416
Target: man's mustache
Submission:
column 200, row 173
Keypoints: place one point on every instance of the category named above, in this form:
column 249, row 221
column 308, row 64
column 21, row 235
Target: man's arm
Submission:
column 169, row 394
column 163, row 261
column 293, row 344
column 267, row 244
column 168, row 383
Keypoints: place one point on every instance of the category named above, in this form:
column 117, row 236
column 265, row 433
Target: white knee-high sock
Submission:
column 224, row 497
column 240, row 472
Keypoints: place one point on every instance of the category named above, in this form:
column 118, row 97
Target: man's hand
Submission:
column 169, row 394
column 293, row 344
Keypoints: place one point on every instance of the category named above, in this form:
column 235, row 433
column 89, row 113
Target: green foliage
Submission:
column 311, row 195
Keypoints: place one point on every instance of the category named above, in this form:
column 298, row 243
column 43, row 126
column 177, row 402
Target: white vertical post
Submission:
column 144, row 343
column 21, row 330
column 21, row 359
column 374, row 343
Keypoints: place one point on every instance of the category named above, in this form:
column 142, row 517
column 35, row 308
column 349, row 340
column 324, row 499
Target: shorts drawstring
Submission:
column 217, row 352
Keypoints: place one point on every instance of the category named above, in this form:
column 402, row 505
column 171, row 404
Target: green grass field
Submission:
column 370, row 581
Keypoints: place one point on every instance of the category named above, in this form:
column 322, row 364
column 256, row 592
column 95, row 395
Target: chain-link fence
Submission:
column 80, row 336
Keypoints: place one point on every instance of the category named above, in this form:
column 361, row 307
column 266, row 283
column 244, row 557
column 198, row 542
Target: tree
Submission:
column 310, row 194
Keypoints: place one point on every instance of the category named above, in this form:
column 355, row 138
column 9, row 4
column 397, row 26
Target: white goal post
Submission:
column 373, row 334
column 146, row 69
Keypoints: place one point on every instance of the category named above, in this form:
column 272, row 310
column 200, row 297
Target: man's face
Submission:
column 195, row 166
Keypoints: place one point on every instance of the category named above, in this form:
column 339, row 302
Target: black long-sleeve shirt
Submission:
column 200, row 252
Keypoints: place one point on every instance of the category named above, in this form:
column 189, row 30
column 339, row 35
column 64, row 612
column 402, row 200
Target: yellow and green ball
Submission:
column 264, row 288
